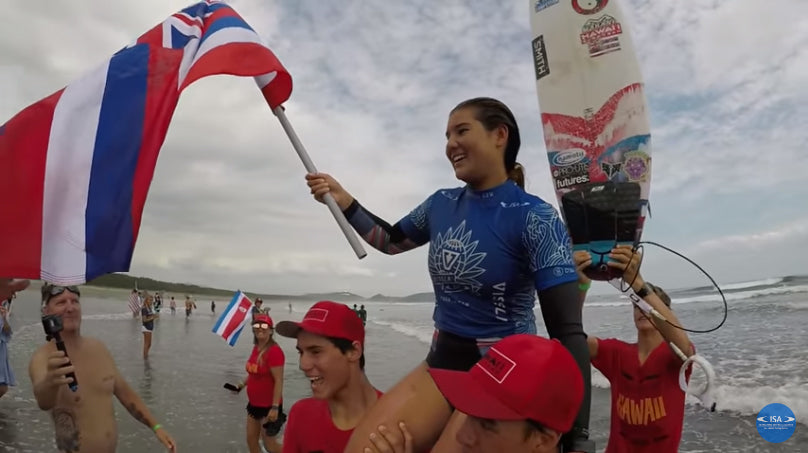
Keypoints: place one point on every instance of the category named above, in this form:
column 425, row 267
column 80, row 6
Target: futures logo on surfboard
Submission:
column 588, row 7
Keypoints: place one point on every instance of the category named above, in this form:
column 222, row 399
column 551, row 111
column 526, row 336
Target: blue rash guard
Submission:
column 489, row 252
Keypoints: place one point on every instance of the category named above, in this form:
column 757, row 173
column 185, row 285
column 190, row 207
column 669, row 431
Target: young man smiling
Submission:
column 330, row 341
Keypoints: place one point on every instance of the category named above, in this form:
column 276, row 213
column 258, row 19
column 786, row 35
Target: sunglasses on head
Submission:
column 261, row 325
column 54, row 290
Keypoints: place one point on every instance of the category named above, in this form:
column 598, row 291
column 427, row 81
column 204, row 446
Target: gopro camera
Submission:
column 53, row 325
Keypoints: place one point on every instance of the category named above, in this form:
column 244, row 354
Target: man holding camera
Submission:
column 84, row 418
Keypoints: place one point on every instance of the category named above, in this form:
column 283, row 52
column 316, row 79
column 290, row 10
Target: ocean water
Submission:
column 759, row 356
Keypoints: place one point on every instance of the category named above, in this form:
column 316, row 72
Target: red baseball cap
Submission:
column 328, row 319
column 521, row 377
column 263, row 318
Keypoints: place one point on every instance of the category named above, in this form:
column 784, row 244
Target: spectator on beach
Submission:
column 331, row 344
column 84, row 421
column 7, row 378
column 258, row 307
column 641, row 374
column 519, row 398
column 363, row 315
column 189, row 306
column 147, row 317
column 264, row 383
column 493, row 248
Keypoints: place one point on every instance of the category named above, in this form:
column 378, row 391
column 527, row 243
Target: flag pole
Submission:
column 329, row 200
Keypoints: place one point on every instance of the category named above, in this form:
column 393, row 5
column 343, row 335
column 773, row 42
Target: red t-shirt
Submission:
column 648, row 407
column 260, row 383
column 310, row 429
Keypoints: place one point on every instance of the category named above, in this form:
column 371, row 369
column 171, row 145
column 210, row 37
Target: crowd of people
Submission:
column 488, row 382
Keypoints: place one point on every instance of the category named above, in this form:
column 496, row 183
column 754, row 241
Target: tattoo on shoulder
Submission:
column 66, row 429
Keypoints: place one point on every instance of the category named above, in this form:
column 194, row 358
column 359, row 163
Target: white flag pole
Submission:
column 347, row 230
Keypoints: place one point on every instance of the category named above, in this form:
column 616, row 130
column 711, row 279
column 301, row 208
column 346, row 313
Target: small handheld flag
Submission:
column 232, row 320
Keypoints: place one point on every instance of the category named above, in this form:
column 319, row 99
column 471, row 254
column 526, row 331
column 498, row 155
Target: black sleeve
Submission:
column 395, row 232
column 562, row 312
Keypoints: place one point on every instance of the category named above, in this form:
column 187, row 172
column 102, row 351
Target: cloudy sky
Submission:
column 374, row 82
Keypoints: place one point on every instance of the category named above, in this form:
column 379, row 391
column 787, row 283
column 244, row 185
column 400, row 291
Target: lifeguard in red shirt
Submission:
column 331, row 343
column 647, row 403
column 264, row 384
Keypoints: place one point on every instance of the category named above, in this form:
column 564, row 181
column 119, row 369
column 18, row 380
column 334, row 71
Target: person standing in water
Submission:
column 264, row 383
column 147, row 317
column 189, row 306
column 492, row 248
column 363, row 315
column 173, row 305
column 213, row 307
column 83, row 421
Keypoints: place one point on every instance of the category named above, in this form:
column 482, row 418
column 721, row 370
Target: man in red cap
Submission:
column 331, row 342
column 519, row 398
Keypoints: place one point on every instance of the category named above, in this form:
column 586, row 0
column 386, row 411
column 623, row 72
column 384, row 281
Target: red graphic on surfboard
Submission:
column 589, row 6
column 606, row 145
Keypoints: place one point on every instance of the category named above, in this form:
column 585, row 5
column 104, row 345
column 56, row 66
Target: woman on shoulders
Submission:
column 492, row 248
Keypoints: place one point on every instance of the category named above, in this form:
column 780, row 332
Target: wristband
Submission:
column 585, row 286
column 156, row 427
column 274, row 407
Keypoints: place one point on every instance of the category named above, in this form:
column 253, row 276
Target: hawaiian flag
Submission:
column 75, row 167
column 231, row 322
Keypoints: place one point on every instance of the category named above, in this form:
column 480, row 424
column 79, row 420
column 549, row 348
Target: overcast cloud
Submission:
column 373, row 84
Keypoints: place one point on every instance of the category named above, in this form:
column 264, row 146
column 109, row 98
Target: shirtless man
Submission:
column 189, row 305
column 84, row 420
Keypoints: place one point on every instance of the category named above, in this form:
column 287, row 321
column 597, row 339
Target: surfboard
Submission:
column 593, row 109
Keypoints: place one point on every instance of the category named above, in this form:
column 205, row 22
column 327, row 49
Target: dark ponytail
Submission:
column 517, row 175
column 492, row 114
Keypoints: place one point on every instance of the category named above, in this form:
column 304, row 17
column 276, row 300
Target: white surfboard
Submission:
column 590, row 90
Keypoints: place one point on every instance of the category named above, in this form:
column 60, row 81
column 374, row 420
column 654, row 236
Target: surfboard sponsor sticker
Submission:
column 635, row 165
column 569, row 168
column 568, row 157
column 540, row 58
column 544, row 4
column 627, row 160
column 587, row 7
column 601, row 35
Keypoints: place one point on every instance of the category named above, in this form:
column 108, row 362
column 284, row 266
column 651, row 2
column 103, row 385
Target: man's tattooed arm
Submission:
column 66, row 429
column 132, row 402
